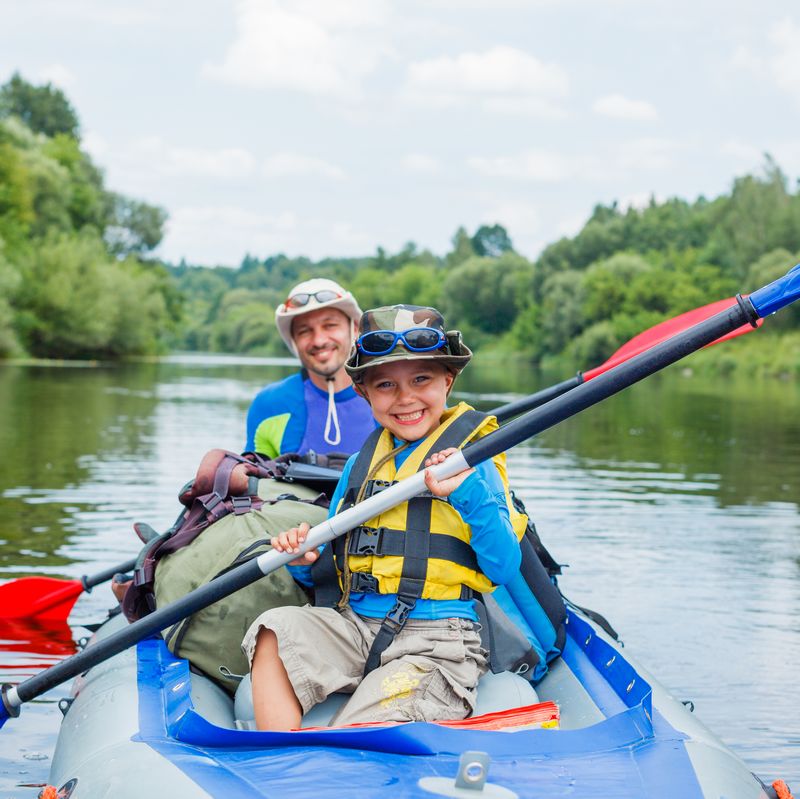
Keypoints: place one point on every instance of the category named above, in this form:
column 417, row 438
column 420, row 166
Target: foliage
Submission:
column 44, row 109
column 76, row 301
column 73, row 282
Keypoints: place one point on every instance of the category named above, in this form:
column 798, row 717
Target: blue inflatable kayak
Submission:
column 143, row 724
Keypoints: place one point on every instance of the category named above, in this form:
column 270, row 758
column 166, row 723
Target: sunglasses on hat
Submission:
column 417, row 339
column 301, row 299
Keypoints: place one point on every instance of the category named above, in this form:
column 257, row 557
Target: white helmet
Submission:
column 311, row 295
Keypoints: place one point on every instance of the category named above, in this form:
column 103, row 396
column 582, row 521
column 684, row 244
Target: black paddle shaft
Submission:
column 535, row 421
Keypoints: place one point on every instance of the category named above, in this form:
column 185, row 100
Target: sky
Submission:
column 334, row 127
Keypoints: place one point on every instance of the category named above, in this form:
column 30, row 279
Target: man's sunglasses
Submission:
column 302, row 299
column 418, row 339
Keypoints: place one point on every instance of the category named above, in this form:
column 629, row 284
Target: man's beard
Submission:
column 325, row 371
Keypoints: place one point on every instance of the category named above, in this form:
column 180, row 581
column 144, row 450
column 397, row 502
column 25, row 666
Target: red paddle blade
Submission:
column 667, row 329
column 40, row 597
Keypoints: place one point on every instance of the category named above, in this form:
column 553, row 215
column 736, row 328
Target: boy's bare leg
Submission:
column 274, row 701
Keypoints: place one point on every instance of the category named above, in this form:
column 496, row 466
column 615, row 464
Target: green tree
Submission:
column 9, row 281
column 487, row 293
column 491, row 241
column 136, row 227
column 462, row 248
column 44, row 109
column 76, row 301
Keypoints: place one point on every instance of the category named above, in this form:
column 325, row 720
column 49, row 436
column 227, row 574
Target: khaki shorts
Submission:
column 429, row 672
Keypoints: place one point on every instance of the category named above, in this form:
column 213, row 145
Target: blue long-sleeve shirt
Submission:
column 480, row 500
column 290, row 416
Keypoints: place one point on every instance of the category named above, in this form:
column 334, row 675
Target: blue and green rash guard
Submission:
column 290, row 416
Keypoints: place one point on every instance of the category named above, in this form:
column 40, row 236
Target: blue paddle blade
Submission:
column 778, row 294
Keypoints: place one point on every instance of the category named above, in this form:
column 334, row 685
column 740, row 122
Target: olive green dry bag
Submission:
column 211, row 639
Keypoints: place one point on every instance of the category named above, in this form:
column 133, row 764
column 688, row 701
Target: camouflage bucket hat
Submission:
column 408, row 333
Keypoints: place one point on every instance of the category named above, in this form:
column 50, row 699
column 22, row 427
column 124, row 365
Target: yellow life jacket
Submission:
column 424, row 540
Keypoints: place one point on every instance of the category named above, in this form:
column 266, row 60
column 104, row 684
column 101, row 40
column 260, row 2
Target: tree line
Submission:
column 78, row 279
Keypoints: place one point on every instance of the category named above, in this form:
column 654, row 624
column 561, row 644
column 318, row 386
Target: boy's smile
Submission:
column 408, row 397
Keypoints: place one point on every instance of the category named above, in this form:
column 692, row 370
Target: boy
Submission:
column 402, row 640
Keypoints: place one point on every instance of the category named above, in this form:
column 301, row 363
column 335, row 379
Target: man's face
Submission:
column 323, row 339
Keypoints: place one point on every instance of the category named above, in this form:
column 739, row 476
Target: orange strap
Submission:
column 781, row 790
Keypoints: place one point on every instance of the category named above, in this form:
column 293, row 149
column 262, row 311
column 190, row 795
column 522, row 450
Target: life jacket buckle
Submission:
column 366, row 541
column 397, row 616
column 376, row 486
column 363, row 583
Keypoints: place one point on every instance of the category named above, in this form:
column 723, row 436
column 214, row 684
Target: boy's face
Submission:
column 408, row 397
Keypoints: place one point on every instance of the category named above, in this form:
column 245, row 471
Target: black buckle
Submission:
column 241, row 505
column 363, row 583
column 366, row 541
column 376, row 486
column 397, row 616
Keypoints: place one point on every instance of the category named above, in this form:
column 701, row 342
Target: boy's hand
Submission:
column 291, row 541
column 443, row 488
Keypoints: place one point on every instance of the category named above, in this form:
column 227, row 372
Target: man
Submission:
column 316, row 408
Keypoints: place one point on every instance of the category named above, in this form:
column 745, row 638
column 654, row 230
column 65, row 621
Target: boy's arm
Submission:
column 481, row 501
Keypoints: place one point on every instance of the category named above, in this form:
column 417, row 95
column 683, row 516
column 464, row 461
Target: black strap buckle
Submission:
column 376, row 486
column 363, row 583
column 397, row 616
column 366, row 541
column 241, row 505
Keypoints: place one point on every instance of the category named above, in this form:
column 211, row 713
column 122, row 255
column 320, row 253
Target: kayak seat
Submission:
column 496, row 692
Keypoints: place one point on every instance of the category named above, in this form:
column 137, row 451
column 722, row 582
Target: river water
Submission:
column 675, row 505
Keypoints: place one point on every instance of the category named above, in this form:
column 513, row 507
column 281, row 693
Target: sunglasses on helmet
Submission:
column 417, row 339
column 301, row 299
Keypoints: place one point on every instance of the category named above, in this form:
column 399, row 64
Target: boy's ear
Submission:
column 450, row 378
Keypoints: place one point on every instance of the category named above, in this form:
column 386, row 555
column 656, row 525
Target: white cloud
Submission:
column 311, row 46
column 502, row 79
column 166, row 159
column 647, row 154
column 523, row 222
column 293, row 164
column 58, row 75
column 742, row 152
column 419, row 162
column 221, row 234
column 533, row 165
column 785, row 58
column 618, row 106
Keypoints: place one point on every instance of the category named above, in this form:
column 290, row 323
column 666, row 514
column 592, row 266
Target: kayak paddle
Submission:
column 50, row 597
column 53, row 598
column 763, row 302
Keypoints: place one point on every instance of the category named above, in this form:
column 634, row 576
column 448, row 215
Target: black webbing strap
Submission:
column 327, row 592
column 385, row 541
column 455, row 435
column 360, row 468
column 412, row 579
